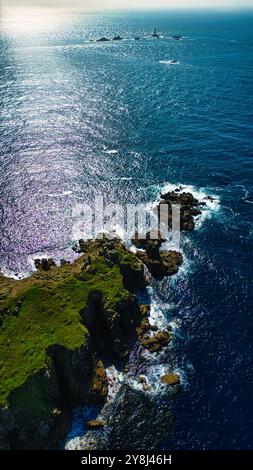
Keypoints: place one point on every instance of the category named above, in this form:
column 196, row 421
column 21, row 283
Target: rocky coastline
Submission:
column 59, row 325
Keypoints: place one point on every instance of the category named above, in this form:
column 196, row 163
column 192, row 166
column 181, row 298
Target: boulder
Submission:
column 95, row 424
column 156, row 342
column 44, row 264
column 170, row 379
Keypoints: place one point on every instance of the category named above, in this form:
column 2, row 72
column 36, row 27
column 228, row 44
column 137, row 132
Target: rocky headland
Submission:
column 58, row 325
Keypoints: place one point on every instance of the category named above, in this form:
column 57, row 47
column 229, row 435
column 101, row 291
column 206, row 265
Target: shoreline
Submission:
column 144, row 330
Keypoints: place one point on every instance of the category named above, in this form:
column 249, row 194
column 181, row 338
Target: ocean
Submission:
column 119, row 119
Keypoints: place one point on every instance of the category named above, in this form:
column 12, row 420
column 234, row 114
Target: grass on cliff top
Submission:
column 43, row 310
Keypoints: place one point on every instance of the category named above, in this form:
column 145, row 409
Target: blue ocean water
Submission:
column 79, row 118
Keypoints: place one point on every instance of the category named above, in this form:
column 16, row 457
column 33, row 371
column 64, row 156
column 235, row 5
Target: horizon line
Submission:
column 99, row 9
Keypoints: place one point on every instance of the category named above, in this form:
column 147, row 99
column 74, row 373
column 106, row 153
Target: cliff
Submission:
column 54, row 326
column 57, row 326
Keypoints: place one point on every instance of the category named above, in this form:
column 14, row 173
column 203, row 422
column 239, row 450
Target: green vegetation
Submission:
column 44, row 310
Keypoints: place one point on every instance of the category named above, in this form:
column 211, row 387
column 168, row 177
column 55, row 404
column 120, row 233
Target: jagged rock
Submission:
column 64, row 262
column 76, row 249
column 142, row 379
column 144, row 324
column 170, row 379
column 112, row 331
column 189, row 208
column 146, row 387
column 95, row 424
column 45, row 263
column 82, row 245
column 151, row 238
column 143, row 327
column 160, row 264
column 156, row 342
column 117, row 38
column 171, row 261
column 99, row 383
column 167, row 264
column 144, row 310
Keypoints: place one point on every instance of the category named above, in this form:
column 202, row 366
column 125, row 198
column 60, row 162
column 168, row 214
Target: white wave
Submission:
column 156, row 316
column 211, row 202
column 83, row 437
column 115, row 380
column 111, row 152
column 64, row 193
column 124, row 178
column 18, row 276
column 169, row 62
column 154, row 374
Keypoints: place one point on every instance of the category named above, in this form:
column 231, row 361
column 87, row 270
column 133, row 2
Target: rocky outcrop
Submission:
column 157, row 341
column 103, row 39
column 112, row 331
column 167, row 264
column 57, row 326
column 159, row 263
column 99, row 383
column 60, row 322
column 95, row 424
column 149, row 336
column 171, row 379
column 189, row 208
column 45, row 264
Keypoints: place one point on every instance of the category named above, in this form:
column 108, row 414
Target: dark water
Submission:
column 67, row 103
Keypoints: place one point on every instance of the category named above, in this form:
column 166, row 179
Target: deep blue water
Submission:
column 66, row 103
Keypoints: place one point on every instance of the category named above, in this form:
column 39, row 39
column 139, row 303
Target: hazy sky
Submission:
column 102, row 4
